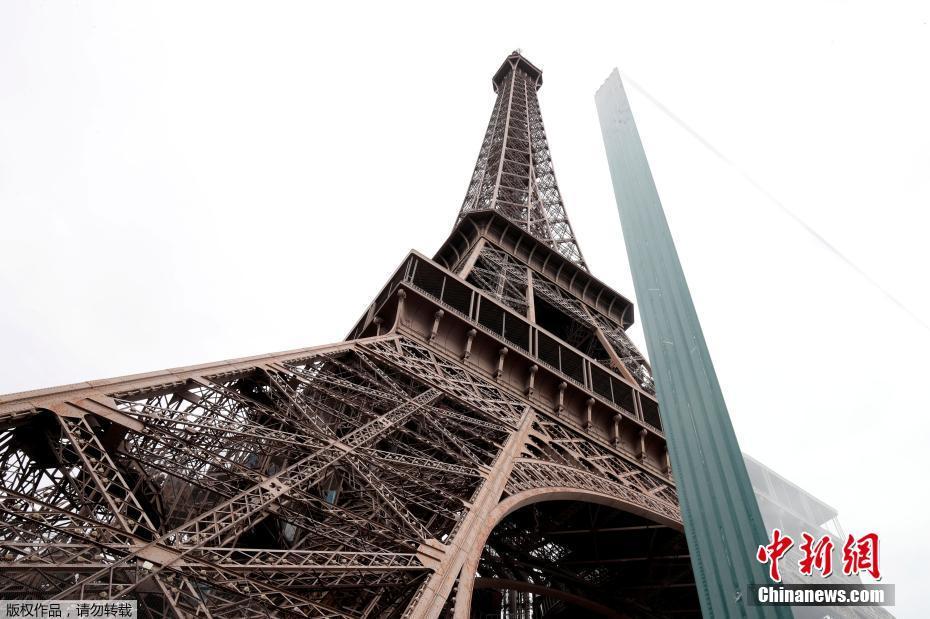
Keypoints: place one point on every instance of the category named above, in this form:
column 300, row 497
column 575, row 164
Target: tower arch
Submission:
column 635, row 519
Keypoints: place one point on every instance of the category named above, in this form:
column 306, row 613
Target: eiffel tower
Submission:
column 485, row 443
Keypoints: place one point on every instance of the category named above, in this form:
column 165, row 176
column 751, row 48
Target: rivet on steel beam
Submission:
column 500, row 362
column 436, row 318
column 468, row 342
column 531, row 385
column 561, row 405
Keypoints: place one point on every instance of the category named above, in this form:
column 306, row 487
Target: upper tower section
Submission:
column 514, row 174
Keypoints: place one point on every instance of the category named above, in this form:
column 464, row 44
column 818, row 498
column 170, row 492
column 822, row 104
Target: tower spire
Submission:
column 514, row 174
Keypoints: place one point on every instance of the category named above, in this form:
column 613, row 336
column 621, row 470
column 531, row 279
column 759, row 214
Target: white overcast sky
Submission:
column 186, row 182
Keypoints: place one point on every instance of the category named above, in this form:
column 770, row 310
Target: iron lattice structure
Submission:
column 486, row 442
column 514, row 174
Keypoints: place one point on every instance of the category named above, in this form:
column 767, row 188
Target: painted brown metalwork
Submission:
column 514, row 174
column 487, row 417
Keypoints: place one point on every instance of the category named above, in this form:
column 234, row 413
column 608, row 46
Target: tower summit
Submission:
column 486, row 441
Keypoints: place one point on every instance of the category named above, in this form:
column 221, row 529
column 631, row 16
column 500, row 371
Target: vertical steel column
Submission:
column 722, row 521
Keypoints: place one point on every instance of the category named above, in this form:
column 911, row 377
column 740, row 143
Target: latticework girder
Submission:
column 514, row 174
column 303, row 487
column 218, row 467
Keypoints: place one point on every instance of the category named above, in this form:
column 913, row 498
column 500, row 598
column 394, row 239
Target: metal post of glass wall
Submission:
column 722, row 521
